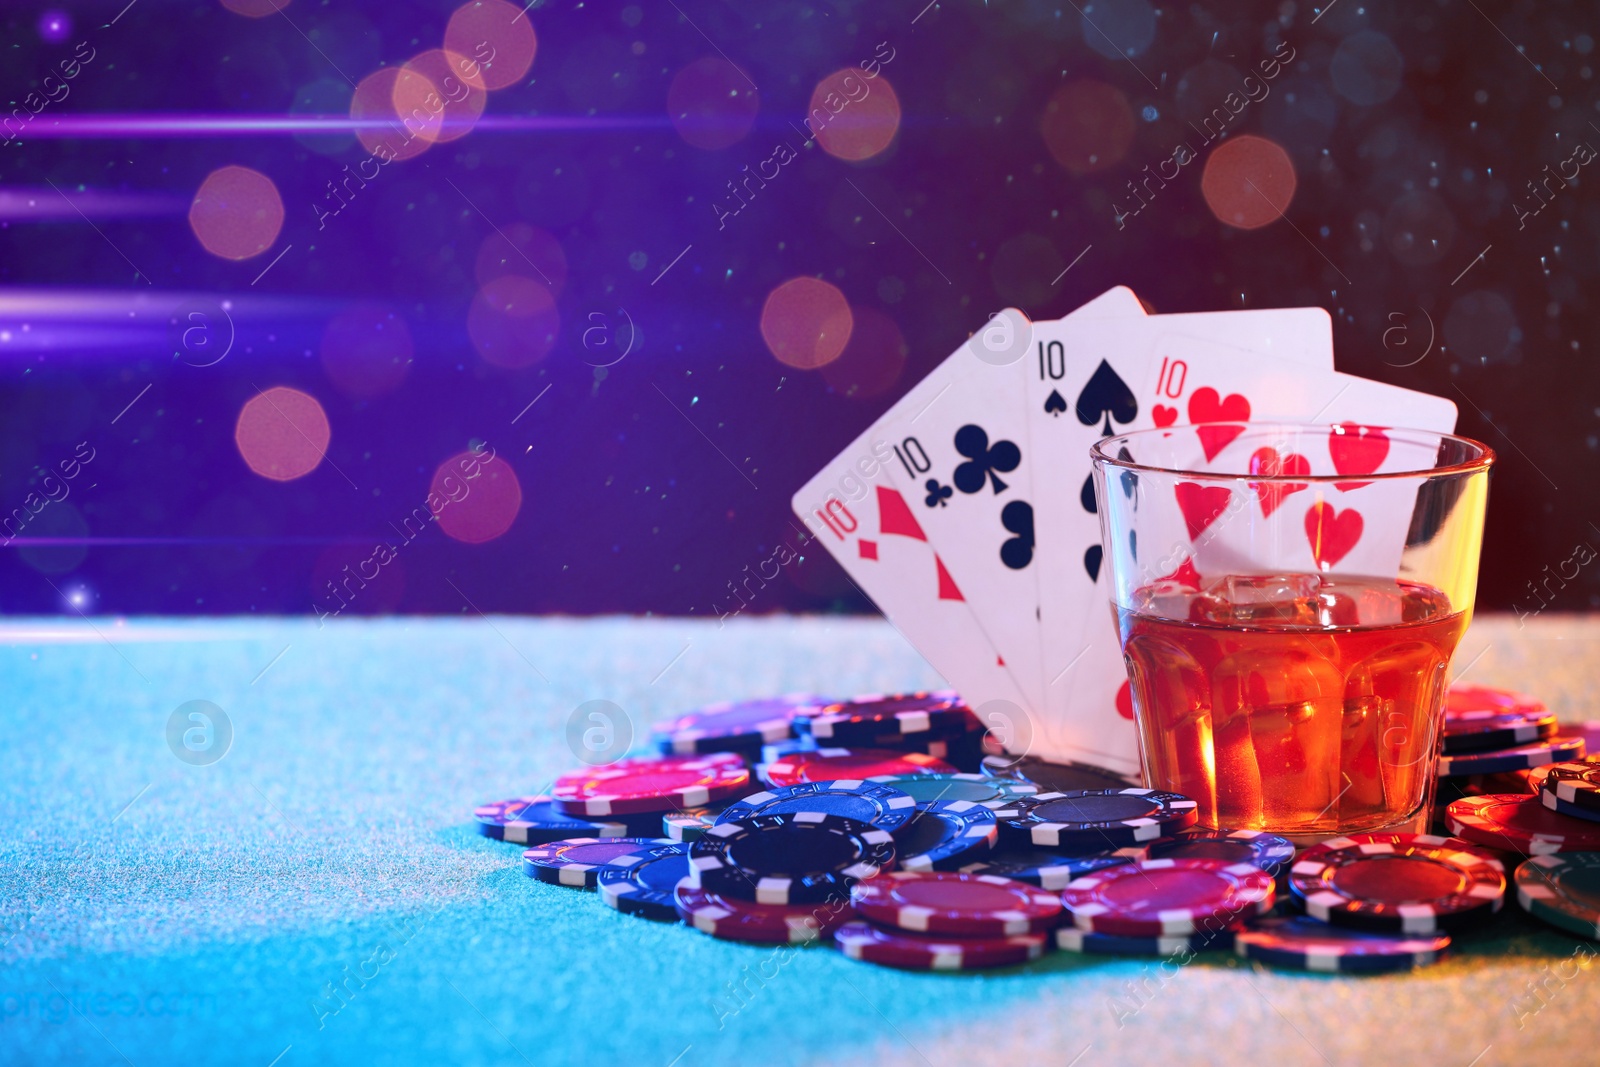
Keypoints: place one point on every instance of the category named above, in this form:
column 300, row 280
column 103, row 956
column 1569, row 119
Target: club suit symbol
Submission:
column 985, row 462
column 937, row 494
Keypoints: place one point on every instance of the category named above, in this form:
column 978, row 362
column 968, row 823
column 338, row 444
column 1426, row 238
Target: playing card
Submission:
column 964, row 464
column 858, row 514
column 1358, row 526
column 855, row 511
column 1082, row 385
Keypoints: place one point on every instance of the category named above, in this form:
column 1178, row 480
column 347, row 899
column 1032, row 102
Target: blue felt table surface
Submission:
column 155, row 912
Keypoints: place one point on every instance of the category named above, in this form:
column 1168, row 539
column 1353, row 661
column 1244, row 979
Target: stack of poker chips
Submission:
column 798, row 820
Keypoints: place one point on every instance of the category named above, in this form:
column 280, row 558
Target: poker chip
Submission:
column 642, row 882
column 1267, row 851
column 1309, row 945
column 1053, row 777
column 879, row 805
column 734, row 919
column 833, row 764
column 644, row 785
column 789, row 858
column 689, row 824
column 866, row 720
column 1571, row 811
column 1537, row 754
column 1481, row 730
column 1156, row 898
column 579, row 860
column 536, row 821
column 947, row 902
column 934, row 952
column 1576, row 784
column 1563, row 890
column 1047, row 869
column 1464, row 699
column 732, row 725
column 1519, row 822
column 778, row 749
column 1072, row 939
column 982, row 789
column 1106, row 818
column 944, row 834
column 1398, row 883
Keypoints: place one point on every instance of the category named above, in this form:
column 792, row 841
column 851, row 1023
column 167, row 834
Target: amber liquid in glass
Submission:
column 1289, row 703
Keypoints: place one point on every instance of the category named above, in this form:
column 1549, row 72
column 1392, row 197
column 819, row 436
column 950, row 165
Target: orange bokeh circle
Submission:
column 806, row 323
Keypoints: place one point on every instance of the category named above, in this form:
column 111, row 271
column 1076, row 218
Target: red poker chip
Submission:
column 835, row 764
column 1463, row 699
column 643, row 784
column 734, row 919
column 1519, row 822
column 969, row 905
column 1166, row 897
column 1398, row 883
column 935, row 952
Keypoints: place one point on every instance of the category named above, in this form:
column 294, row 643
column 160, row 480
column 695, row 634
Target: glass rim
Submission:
column 1481, row 461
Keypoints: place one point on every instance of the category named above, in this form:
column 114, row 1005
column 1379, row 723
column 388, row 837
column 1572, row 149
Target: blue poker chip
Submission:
column 1071, row 939
column 732, row 725
column 578, row 861
column 535, row 821
column 1269, row 852
column 797, row 857
column 1049, row 869
column 1556, row 804
column 1537, row 754
column 642, row 882
column 944, row 834
column 1096, row 818
column 1308, row 945
column 1053, row 777
column 875, row 803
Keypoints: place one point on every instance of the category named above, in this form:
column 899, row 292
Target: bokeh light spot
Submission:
column 366, row 350
column 236, row 213
column 1366, row 68
column 806, row 323
column 513, row 321
column 852, row 116
column 711, row 104
column 390, row 138
column 518, row 248
column 282, row 433
column 1482, row 327
column 255, row 9
column 1087, row 126
column 475, row 498
column 439, row 79
column 873, row 359
column 1118, row 29
column 498, row 36
column 54, row 26
column 1248, row 182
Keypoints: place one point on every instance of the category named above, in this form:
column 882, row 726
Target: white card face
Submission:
column 1102, row 364
column 965, row 467
column 1358, row 527
column 857, row 514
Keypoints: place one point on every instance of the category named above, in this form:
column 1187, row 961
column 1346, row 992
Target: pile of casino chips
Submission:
column 882, row 825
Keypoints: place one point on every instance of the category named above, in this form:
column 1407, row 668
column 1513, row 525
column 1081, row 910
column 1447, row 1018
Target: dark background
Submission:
column 1414, row 130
